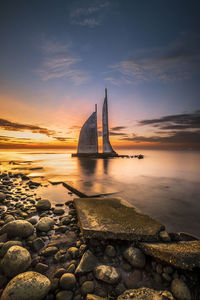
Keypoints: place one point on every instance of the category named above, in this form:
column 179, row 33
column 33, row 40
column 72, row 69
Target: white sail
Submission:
column 107, row 148
column 88, row 138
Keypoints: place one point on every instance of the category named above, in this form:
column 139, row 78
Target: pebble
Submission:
column 87, row 263
column 16, row 260
column 64, row 295
column 180, row 290
column 41, row 268
column 49, row 251
column 164, row 236
column 7, row 245
column 87, row 288
column 67, row 281
column 110, row 251
column 58, row 211
column 74, row 252
column 43, row 205
column 60, row 272
column 107, row 274
column 26, row 286
column 38, row 244
column 18, row 228
column 135, row 257
column 45, row 224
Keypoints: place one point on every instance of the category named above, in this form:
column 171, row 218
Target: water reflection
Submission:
column 105, row 165
column 87, row 166
column 165, row 184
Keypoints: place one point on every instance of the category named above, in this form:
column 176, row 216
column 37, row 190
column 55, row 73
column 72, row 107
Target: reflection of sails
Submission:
column 88, row 139
column 105, row 165
column 87, row 166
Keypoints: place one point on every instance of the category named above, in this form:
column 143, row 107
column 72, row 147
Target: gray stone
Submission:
column 41, row 268
column 135, row 257
column 65, row 220
column 7, row 245
column 16, row 260
column 110, row 251
column 8, row 219
column 164, row 236
column 60, row 256
column 71, row 268
column 43, row 205
column 87, row 263
column 145, row 294
column 49, row 251
column 2, row 197
column 82, row 249
column 74, row 252
column 111, row 218
column 180, row 290
column 26, row 286
column 94, row 297
column 3, row 238
column 87, row 288
column 58, row 211
column 64, row 295
column 45, row 224
column 18, row 228
column 133, row 279
column 32, row 220
column 38, row 244
column 184, row 255
column 60, row 272
column 67, row 281
column 107, row 274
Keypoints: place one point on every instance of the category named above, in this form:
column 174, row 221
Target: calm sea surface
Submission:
column 165, row 184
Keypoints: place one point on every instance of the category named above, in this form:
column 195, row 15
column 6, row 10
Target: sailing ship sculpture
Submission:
column 88, row 138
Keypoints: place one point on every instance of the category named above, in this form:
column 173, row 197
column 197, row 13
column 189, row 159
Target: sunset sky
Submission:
column 56, row 58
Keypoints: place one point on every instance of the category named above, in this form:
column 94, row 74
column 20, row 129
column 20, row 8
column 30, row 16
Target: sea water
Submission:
column 164, row 185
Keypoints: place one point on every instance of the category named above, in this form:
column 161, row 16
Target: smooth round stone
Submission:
column 58, row 211
column 87, row 288
column 8, row 219
column 180, row 290
column 26, row 286
column 74, row 252
column 64, row 295
column 2, row 196
column 60, row 272
column 49, row 251
column 16, row 260
column 38, row 244
column 110, row 251
column 43, row 205
column 45, row 224
column 67, row 281
column 135, row 257
column 7, row 245
column 18, row 228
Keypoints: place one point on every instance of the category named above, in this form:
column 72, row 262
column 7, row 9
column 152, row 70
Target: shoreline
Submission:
column 57, row 249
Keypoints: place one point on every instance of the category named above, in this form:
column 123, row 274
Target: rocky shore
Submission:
column 44, row 255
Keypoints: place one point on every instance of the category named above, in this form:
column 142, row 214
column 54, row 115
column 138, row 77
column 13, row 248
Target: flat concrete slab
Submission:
column 184, row 255
column 112, row 218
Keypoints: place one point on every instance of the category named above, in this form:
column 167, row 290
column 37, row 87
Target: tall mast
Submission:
column 107, row 148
